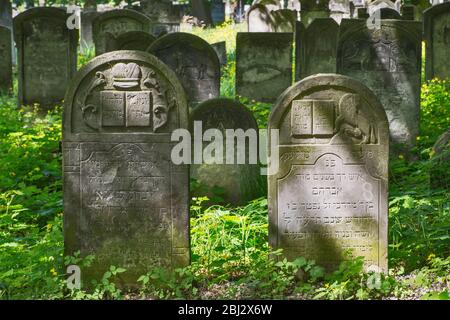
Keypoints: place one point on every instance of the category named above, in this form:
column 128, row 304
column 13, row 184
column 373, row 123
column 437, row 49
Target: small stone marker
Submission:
column 134, row 40
column 194, row 61
column 124, row 200
column 316, row 54
column 238, row 183
column 330, row 192
column 5, row 59
column 221, row 50
column 109, row 25
column 47, row 55
column 263, row 64
column 387, row 58
column 437, row 38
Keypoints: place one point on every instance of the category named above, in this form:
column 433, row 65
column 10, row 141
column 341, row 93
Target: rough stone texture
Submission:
column 86, row 37
column 263, row 65
column 5, row 59
column 437, row 38
column 388, row 60
column 330, row 192
column 316, row 54
column 165, row 17
column 134, row 40
column 239, row 183
column 111, row 24
column 124, row 200
column 221, row 50
column 440, row 172
column 194, row 61
column 259, row 19
column 47, row 55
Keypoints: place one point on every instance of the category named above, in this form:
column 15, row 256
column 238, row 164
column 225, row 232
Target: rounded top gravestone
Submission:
column 109, row 25
column 134, row 40
column 125, row 201
column 329, row 194
column 194, row 61
column 233, row 183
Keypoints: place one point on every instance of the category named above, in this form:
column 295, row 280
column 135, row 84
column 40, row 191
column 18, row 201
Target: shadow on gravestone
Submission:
column 194, row 61
column 259, row 19
column 284, row 20
column 263, row 64
column 111, row 24
column 134, row 40
column 124, row 200
column 387, row 58
column 5, row 59
column 225, row 183
column 330, row 192
column 437, row 38
column 316, row 54
column 221, row 50
column 47, row 56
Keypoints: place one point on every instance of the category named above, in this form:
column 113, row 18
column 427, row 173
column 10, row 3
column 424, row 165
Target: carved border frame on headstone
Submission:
column 378, row 170
column 428, row 17
column 52, row 13
column 146, row 23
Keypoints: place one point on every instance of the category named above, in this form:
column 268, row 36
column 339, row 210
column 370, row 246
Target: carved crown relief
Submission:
column 126, row 96
column 342, row 123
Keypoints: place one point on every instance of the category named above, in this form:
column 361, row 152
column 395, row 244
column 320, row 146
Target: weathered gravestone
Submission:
column 6, row 20
column 5, row 59
column 316, row 54
column 313, row 9
column 194, row 61
column 47, row 55
column 284, row 20
column 201, row 10
column 134, row 40
column 373, row 6
column 263, row 65
column 109, row 25
column 221, row 51
column 217, row 11
column 440, row 171
column 329, row 194
column 259, row 19
column 165, row 17
column 339, row 9
column 387, row 59
column 124, row 200
column 437, row 38
column 236, row 181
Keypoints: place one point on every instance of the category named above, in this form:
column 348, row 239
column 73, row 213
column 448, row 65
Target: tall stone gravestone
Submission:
column 238, row 182
column 217, row 11
column 109, row 25
column 329, row 194
column 5, row 59
column 386, row 58
column 134, row 40
column 202, row 11
column 316, row 54
column 194, row 61
column 6, row 20
column 221, row 49
column 259, row 19
column 86, row 37
column 125, row 201
column 47, row 55
column 165, row 17
column 437, row 38
column 263, row 64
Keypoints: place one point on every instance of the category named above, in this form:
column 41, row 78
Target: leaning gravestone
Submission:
column 238, row 182
column 125, row 201
column 387, row 59
column 437, row 38
column 194, row 61
column 134, row 40
column 329, row 194
column 108, row 26
column 47, row 55
column 221, row 50
column 259, row 19
column 316, row 54
column 263, row 64
column 5, row 59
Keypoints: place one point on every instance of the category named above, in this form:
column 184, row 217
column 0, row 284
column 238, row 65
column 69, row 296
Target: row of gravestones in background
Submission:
column 387, row 59
column 127, row 202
